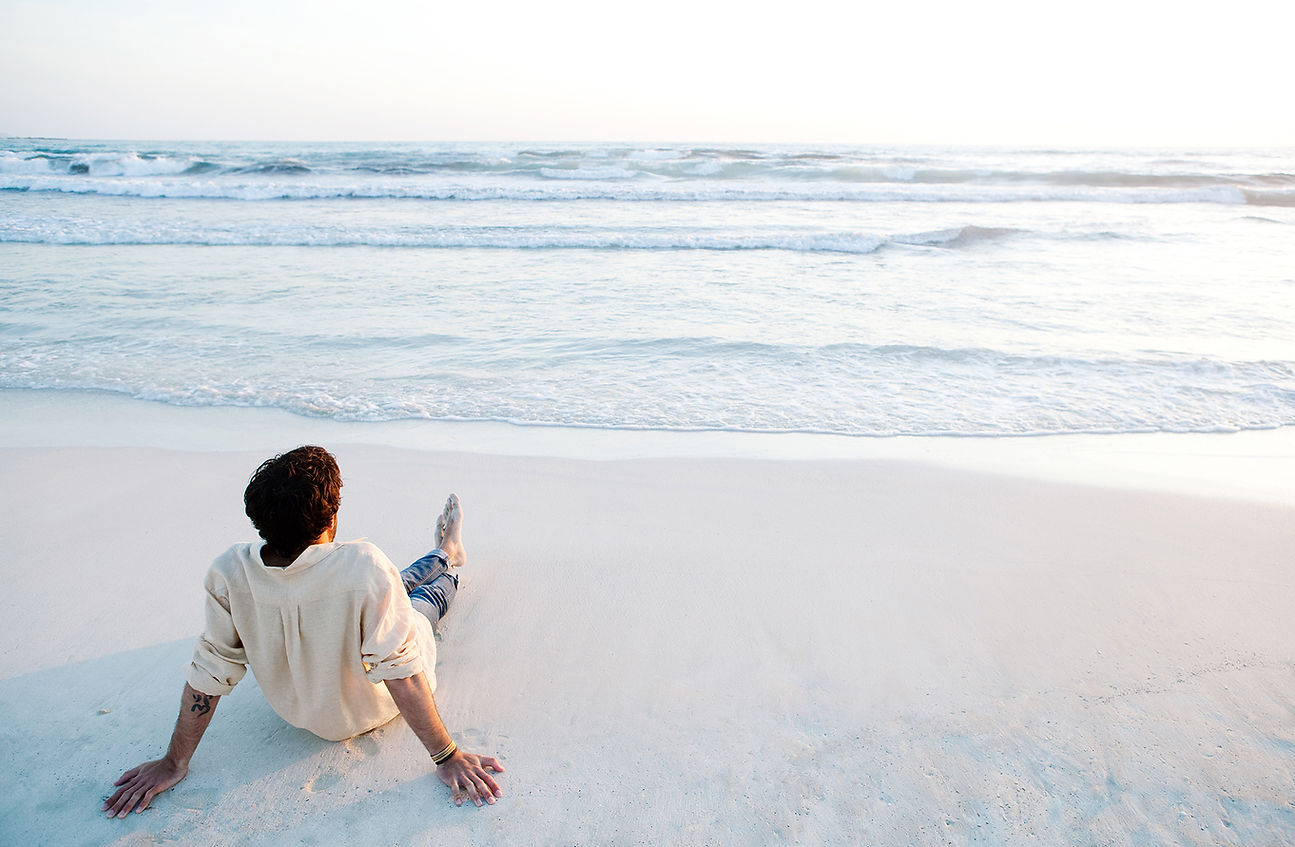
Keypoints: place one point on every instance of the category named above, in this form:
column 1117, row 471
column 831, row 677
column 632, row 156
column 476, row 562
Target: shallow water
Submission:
column 854, row 291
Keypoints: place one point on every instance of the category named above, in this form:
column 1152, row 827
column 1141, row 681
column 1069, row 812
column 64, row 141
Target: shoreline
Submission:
column 1256, row 465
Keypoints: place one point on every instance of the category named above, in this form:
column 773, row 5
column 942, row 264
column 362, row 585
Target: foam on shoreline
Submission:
column 1254, row 465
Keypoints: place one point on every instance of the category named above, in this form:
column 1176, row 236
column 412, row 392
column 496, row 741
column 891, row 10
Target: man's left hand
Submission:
column 465, row 774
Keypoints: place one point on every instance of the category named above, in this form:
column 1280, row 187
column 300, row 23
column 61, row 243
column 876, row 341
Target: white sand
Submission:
column 681, row 651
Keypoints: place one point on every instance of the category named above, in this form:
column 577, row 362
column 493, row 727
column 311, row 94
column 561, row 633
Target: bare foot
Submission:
column 449, row 532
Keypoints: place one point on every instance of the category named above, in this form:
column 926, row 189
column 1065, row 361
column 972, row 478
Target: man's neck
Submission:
column 271, row 559
column 274, row 559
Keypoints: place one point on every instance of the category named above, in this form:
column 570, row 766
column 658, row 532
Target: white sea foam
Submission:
column 739, row 406
column 605, row 187
column 654, row 155
column 57, row 165
column 899, row 174
column 106, row 234
column 133, row 165
column 103, row 232
column 24, row 165
column 610, row 172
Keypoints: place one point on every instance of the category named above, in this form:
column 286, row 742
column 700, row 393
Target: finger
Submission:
column 118, row 799
column 148, row 798
column 128, row 775
column 140, row 795
column 131, row 800
column 469, row 789
column 492, row 763
column 484, row 792
column 489, row 785
column 113, row 799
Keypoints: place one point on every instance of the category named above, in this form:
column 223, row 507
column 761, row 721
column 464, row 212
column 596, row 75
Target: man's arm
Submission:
column 464, row 773
column 139, row 785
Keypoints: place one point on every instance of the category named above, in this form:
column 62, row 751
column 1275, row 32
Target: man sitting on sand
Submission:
column 321, row 623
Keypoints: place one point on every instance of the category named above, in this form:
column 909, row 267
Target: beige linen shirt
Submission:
column 320, row 635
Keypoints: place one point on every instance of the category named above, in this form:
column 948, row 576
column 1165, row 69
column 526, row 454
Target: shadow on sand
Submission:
column 68, row 732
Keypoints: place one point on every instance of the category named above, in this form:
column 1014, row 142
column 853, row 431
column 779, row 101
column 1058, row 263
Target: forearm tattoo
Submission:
column 201, row 704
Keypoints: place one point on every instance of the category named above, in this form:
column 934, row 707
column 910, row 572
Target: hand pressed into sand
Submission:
column 465, row 774
column 141, row 784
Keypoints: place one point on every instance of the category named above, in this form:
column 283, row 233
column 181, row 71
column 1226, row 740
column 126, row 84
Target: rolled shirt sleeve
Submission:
column 219, row 660
column 389, row 632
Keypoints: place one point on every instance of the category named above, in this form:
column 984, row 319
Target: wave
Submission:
column 115, row 233
column 283, row 166
column 610, row 172
column 651, row 384
column 1096, row 179
column 664, row 415
column 99, row 164
column 604, row 188
column 1238, row 373
column 957, row 237
column 1270, row 198
column 628, row 173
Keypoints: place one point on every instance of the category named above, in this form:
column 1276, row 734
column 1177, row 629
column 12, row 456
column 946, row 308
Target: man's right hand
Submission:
column 465, row 774
column 138, row 786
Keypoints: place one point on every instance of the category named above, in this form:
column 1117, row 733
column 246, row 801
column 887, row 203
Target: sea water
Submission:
column 860, row 291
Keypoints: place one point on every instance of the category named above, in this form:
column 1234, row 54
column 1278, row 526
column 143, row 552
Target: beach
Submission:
column 817, row 494
column 676, row 649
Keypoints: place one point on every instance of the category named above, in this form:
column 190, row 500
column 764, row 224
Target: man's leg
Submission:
column 430, row 584
column 432, row 599
column 425, row 570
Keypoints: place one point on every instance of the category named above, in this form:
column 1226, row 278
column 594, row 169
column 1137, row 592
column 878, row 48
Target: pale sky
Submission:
column 1129, row 73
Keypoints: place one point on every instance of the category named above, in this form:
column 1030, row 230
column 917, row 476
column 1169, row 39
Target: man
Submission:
column 339, row 640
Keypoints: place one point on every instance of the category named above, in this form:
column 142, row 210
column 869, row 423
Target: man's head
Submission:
column 293, row 498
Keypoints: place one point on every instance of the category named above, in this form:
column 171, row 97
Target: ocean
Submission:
column 860, row 291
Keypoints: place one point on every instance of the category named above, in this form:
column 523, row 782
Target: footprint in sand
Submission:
column 322, row 781
column 360, row 748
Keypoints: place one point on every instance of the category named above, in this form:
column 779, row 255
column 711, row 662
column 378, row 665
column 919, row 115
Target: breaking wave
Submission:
column 592, row 172
column 84, row 232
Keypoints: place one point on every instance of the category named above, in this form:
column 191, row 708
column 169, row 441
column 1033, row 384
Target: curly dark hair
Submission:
column 293, row 497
